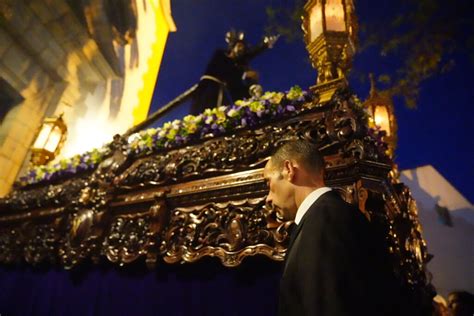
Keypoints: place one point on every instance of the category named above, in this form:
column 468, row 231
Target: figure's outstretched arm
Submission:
column 267, row 42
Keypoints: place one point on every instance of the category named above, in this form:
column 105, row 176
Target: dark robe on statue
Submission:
column 223, row 81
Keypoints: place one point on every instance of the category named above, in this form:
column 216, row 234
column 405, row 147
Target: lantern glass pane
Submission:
column 54, row 140
column 42, row 138
column 382, row 119
column 316, row 21
column 334, row 11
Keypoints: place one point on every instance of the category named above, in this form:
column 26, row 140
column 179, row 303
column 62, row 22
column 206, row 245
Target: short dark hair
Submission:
column 464, row 299
column 303, row 151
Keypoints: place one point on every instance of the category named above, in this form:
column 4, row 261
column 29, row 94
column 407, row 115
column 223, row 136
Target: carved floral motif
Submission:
column 207, row 199
column 229, row 230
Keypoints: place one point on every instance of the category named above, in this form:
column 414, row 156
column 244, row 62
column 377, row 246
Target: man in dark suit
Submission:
column 335, row 264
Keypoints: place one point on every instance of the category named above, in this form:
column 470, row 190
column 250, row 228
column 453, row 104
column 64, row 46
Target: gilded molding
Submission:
column 208, row 199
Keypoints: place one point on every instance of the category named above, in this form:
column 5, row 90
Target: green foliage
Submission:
column 286, row 20
column 426, row 36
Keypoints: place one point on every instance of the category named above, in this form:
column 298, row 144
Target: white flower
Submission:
column 198, row 119
column 209, row 120
column 175, row 124
column 133, row 137
column 232, row 113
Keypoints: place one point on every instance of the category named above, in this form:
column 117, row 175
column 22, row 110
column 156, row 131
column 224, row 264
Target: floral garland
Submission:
column 213, row 122
column 65, row 167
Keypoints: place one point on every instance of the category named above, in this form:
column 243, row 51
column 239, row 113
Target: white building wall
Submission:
column 453, row 247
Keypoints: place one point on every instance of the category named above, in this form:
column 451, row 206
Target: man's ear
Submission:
column 289, row 170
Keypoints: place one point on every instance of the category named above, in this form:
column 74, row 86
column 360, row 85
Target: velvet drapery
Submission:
column 202, row 288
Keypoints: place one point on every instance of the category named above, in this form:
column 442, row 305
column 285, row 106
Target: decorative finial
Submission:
column 373, row 90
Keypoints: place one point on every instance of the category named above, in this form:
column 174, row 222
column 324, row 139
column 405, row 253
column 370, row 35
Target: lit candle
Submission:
column 381, row 119
column 54, row 139
column 316, row 21
column 335, row 16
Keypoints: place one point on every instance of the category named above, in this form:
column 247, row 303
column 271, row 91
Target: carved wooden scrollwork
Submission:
column 85, row 225
column 207, row 198
column 409, row 239
column 10, row 245
column 216, row 156
column 82, row 240
column 46, row 196
column 41, row 243
column 132, row 236
column 127, row 239
column 229, row 231
column 88, row 213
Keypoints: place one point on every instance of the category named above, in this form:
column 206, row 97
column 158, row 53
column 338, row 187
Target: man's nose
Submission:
column 268, row 200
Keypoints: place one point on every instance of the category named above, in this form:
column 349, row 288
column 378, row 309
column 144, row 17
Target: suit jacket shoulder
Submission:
column 332, row 268
column 331, row 209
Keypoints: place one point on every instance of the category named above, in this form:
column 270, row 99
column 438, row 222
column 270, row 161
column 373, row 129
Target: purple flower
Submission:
column 70, row 168
column 251, row 121
column 290, row 108
column 85, row 158
column 178, row 138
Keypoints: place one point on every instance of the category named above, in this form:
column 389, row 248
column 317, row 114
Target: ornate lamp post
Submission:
column 330, row 35
column 49, row 141
column 382, row 114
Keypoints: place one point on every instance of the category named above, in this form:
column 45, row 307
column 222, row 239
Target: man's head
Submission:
column 461, row 303
column 296, row 169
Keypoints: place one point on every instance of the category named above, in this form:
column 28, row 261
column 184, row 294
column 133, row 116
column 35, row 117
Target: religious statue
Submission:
column 228, row 75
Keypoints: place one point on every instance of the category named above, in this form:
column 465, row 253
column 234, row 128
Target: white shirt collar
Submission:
column 308, row 201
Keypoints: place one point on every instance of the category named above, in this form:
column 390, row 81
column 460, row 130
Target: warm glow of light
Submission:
column 142, row 62
column 316, row 21
column 54, row 139
column 93, row 132
column 335, row 16
column 43, row 136
column 382, row 119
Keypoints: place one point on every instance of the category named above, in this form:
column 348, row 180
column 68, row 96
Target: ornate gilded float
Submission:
column 179, row 199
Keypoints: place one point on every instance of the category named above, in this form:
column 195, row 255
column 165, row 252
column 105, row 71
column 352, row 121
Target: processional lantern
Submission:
column 382, row 115
column 330, row 36
column 49, row 141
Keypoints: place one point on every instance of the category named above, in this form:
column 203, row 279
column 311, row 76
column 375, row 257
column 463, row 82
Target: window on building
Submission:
column 9, row 97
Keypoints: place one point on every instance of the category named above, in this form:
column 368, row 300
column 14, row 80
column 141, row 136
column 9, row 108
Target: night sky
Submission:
column 439, row 132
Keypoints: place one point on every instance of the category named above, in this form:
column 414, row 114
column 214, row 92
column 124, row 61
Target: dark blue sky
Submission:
column 439, row 132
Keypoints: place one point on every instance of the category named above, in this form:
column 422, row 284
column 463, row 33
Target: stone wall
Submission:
column 51, row 60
